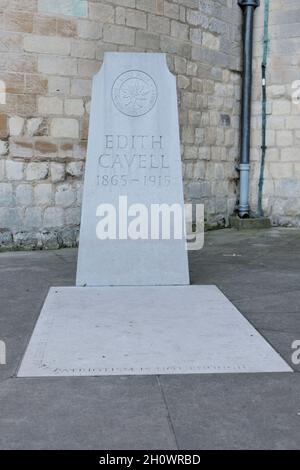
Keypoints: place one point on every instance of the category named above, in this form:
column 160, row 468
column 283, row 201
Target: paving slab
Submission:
column 84, row 413
column 234, row 411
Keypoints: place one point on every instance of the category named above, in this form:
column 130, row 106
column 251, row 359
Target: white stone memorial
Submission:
column 133, row 159
column 129, row 314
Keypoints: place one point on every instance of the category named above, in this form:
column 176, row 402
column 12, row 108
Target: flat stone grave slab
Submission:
column 94, row 331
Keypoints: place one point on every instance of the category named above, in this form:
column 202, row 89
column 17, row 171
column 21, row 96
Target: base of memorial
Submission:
column 94, row 331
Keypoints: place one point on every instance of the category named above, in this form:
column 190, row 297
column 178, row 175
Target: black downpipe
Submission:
column 248, row 7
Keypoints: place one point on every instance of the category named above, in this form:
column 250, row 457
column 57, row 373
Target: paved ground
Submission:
column 258, row 271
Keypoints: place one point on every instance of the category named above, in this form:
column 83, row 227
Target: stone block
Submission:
column 83, row 49
column 284, row 138
column 47, row 44
column 49, row 239
column 26, row 240
column 6, row 195
column 276, row 91
column 36, row 127
column 11, row 217
column 65, row 195
column 210, row 41
column 196, row 35
column 6, row 239
column 55, row 65
column 187, row 135
column 287, row 188
column 124, row 3
column 199, row 135
column 81, row 87
column 191, row 152
column 89, row 29
column 14, row 170
column 180, row 65
column 4, row 147
column 43, row 194
column 37, row 171
column 199, row 169
column 191, row 71
column 18, row 21
column 136, row 19
column 24, row 194
column 151, row 6
column 32, row 218
column 292, row 122
column 147, row 40
column 72, row 215
column 68, row 237
column 118, row 34
column 171, row 10
column 44, row 25
column 281, row 107
column 54, row 217
column 66, row 27
column 50, row 105
column 280, row 170
column 64, row 128
column 183, row 82
column 179, row 30
column 16, row 125
column 158, row 24
column 195, row 18
column 21, row 148
column 250, row 223
column 2, row 169
column 57, row 172
column 101, row 12
column 74, row 169
column 74, row 107
column 59, row 85
column 88, row 68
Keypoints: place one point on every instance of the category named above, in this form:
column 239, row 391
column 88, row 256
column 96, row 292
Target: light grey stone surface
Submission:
column 144, row 330
column 133, row 151
column 207, row 411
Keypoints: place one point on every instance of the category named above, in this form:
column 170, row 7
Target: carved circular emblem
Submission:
column 134, row 93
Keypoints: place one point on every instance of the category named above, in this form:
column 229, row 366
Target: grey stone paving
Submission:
column 259, row 273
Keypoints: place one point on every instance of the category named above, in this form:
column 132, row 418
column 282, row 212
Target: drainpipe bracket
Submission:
column 249, row 3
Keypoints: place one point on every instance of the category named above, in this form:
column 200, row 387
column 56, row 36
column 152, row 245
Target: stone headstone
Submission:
column 133, row 158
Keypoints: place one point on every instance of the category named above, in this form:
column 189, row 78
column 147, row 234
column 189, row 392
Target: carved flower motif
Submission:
column 134, row 93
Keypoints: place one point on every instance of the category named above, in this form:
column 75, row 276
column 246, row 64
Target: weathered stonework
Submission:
column 51, row 50
column 281, row 189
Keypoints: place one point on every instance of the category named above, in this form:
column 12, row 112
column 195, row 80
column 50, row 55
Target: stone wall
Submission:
column 281, row 190
column 49, row 52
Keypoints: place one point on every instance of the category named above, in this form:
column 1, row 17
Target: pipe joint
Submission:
column 244, row 189
column 244, row 166
column 248, row 3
